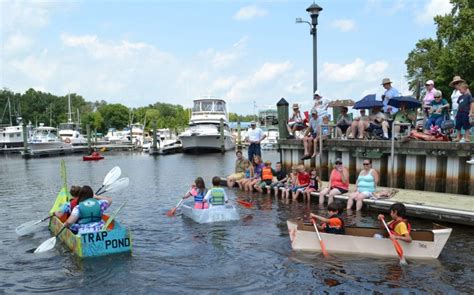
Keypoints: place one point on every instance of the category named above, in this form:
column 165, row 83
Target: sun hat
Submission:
column 386, row 81
column 296, row 106
column 456, row 79
column 316, row 93
column 429, row 82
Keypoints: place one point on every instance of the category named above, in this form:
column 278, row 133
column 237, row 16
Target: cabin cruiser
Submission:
column 70, row 132
column 203, row 134
column 167, row 142
column 45, row 138
column 11, row 137
column 268, row 122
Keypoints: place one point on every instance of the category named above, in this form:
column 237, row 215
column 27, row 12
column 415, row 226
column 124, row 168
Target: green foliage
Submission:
column 233, row 117
column 450, row 54
column 115, row 115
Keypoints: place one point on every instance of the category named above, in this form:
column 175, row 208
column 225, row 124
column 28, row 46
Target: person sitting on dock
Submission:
column 87, row 215
column 296, row 122
column 334, row 223
column 343, row 123
column 248, row 175
column 338, row 183
column 216, row 196
column 311, row 134
column 281, row 177
column 267, row 177
column 239, row 172
column 404, row 115
column 198, row 191
column 302, row 182
column 438, row 110
column 67, row 208
column 358, row 126
column 314, row 185
column 366, row 184
column 257, row 173
column 399, row 227
column 290, row 182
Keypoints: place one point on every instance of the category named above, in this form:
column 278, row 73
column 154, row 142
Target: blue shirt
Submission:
column 389, row 93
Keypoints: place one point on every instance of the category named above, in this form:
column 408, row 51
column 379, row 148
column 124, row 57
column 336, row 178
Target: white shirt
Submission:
column 454, row 98
column 254, row 135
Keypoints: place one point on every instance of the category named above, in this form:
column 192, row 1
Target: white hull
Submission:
column 425, row 244
column 41, row 146
column 206, row 143
column 215, row 214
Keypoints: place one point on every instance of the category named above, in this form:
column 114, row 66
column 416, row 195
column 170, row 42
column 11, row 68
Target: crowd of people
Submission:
column 378, row 121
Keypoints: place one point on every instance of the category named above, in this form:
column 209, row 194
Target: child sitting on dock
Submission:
column 257, row 171
column 290, row 183
column 399, row 226
column 281, row 178
column 248, row 175
column 198, row 191
column 302, row 182
column 267, row 177
column 66, row 209
column 314, row 185
column 216, row 196
column 334, row 223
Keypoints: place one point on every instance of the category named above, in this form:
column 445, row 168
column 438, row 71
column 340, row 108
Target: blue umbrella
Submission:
column 409, row 101
column 368, row 102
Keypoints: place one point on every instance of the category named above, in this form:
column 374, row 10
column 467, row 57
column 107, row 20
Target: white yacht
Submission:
column 11, row 137
column 203, row 132
column 46, row 138
column 137, row 134
column 268, row 122
column 70, row 132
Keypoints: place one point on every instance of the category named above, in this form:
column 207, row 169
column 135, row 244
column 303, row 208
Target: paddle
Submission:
column 49, row 243
column 110, row 178
column 323, row 247
column 111, row 217
column 29, row 227
column 397, row 246
column 172, row 211
column 244, row 203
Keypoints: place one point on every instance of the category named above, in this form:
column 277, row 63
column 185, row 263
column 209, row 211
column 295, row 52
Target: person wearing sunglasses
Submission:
column 366, row 184
column 438, row 110
column 338, row 183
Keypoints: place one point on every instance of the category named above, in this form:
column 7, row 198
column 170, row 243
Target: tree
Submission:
column 115, row 115
column 450, row 54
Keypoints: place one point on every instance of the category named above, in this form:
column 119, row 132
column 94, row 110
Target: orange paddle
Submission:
column 172, row 211
column 245, row 203
column 323, row 247
column 397, row 246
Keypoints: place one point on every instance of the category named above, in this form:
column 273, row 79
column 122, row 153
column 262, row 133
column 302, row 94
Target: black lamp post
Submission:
column 313, row 11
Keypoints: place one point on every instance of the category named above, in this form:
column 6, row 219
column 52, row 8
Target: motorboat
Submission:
column 46, row 138
column 11, row 137
column 222, row 213
column 268, row 122
column 70, row 132
column 369, row 241
column 203, row 133
column 117, row 136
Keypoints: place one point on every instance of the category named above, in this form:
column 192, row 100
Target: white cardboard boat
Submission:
column 360, row 240
column 215, row 214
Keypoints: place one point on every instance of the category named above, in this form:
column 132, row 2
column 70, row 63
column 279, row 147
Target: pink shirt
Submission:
column 429, row 97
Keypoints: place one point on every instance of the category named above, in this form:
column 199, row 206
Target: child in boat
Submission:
column 314, row 185
column 266, row 178
column 248, row 175
column 290, row 183
column 66, row 209
column 334, row 223
column 302, row 182
column 216, row 196
column 198, row 191
column 87, row 215
column 399, row 226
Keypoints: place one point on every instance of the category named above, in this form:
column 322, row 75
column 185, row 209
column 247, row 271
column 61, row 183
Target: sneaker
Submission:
column 462, row 140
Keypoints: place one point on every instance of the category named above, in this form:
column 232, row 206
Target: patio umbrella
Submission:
column 368, row 102
column 411, row 102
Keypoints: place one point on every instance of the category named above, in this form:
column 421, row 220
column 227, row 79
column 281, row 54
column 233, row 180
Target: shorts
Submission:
column 300, row 188
column 367, row 194
column 277, row 185
column 264, row 183
column 297, row 124
column 344, row 127
column 237, row 176
column 341, row 190
column 462, row 121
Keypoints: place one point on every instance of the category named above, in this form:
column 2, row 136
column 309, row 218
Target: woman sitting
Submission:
column 87, row 215
column 366, row 184
column 438, row 110
column 338, row 183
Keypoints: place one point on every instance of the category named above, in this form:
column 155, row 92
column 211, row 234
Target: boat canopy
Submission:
column 209, row 105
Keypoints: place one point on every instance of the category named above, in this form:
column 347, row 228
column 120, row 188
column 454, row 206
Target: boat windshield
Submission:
column 209, row 106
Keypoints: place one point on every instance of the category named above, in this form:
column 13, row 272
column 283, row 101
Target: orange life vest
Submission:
column 393, row 224
column 267, row 173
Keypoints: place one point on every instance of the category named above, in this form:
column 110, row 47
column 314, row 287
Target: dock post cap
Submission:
column 282, row 102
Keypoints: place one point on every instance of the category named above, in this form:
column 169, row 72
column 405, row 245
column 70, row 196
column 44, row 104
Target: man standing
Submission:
column 254, row 136
column 389, row 93
column 239, row 172
column 320, row 105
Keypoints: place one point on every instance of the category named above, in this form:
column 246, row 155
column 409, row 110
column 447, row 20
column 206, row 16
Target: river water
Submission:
column 176, row 255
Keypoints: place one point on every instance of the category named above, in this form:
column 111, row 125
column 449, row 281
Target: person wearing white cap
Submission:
column 389, row 93
column 320, row 105
column 254, row 136
column 429, row 95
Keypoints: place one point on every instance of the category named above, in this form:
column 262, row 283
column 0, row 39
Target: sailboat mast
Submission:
column 69, row 113
column 10, row 111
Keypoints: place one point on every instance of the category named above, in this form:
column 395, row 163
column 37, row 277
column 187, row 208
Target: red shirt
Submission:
column 303, row 178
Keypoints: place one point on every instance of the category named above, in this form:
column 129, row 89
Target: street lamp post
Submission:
column 313, row 11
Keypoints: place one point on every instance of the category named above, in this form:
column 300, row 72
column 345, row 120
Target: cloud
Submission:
column 357, row 70
column 225, row 58
column 17, row 42
column 269, row 71
column 432, row 9
column 249, row 12
column 344, row 25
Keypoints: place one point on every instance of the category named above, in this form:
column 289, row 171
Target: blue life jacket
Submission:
column 89, row 211
column 199, row 197
column 217, row 196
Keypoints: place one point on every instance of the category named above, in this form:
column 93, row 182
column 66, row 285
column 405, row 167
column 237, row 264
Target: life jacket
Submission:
column 217, row 196
column 89, row 211
column 267, row 173
column 199, row 197
column 339, row 230
column 392, row 225
column 73, row 203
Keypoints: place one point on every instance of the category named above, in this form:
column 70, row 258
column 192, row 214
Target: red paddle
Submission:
column 172, row 211
column 323, row 247
column 245, row 203
column 397, row 246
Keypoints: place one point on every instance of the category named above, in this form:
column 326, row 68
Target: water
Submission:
column 175, row 254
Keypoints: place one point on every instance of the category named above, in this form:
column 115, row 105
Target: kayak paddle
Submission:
column 49, row 243
column 244, row 203
column 172, row 211
column 397, row 246
column 110, row 178
column 112, row 217
column 323, row 247
column 117, row 185
column 29, row 227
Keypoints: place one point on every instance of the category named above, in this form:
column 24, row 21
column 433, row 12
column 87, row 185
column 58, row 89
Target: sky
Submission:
column 141, row 52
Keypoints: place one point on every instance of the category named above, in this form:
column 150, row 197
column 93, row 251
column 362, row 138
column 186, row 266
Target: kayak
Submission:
column 92, row 158
column 215, row 214
column 116, row 239
column 361, row 240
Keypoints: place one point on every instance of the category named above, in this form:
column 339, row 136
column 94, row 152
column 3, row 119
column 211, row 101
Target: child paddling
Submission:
column 399, row 226
column 334, row 223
